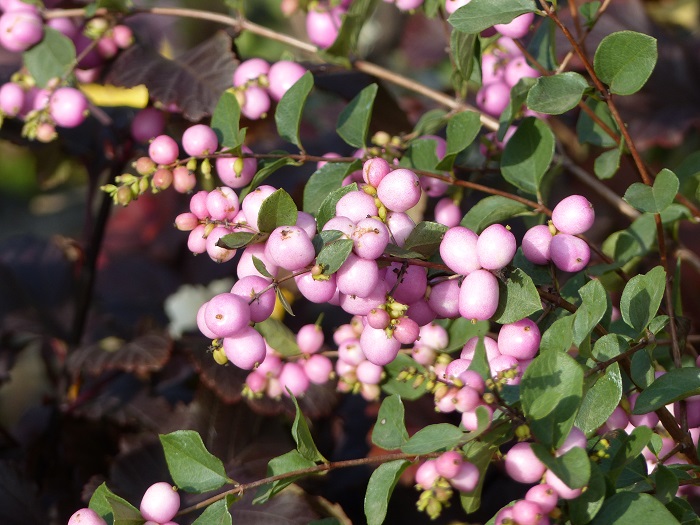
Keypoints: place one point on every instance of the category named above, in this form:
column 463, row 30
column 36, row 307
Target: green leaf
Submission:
column 528, row 154
column 609, row 346
column 462, row 129
column 288, row 462
column 302, row 435
column 278, row 336
column 557, row 94
column 267, row 169
column 323, row 181
column 397, row 251
column 589, row 132
column 674, row 385
column 277, row 210
column 333, row 255
column 225, row 121
column 463, row 50
column 492, row 210
column 430, row 122
column 607, row 163
column 389, row 431
column 542, row 45
column 353, row 20
column 379, row 489
column 353, row 121
column 420, row 155
column 441, row 436
column 260, row 266
column 425, row 238
column 192, row 467
column 599, row 399
column 629, row 507
column 666, row 484
column 584, row 508
column 460, row 330
column 573, row 468
column 405, row 389
column 625, row 60
column 53, row 57
column 591, row 311
column 290, row 108
column 283, row 300
column 656, row 198
column 642, row 368
column 551, row 390
column 518, row 298
column 327, row 209
column 559, row 337
column 518, row 95
column 629, row 448
column 236, row 240
column 215, row 514
column 479, row 454
column 478, row 15
column 112, row 508
column 642, row 297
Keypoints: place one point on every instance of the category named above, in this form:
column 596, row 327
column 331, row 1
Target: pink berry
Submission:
column 370, row 238
column 458, row 250
column 544, row 495
column 378, row 318
column 199, row 140
column 306, row 222
column 400, row 190
column 495, row 247
column 490, row 346
column 186, row 222
column 505, row 515
column 226, row 314
column 197, row 241
column 294, row 378
column 374, row 170
column 536, row 244
column 452, row 5
column 160, row 502
column 283, row 75
column 318, row 368
column 217, row 253
column 236, row 172
column 575, row 439
column 245, row 348
column 316, row 291
column 256, row 382
column 400, row 226
column 573, row 215
column 434, row 336
column 520, row 339
column 184, row 180
column 527, row 512
column 379, row 348
column 518, row 27
column 355, row 305
column 518, row 68
column 252, row 202
column 569, row 253
column 478, row 295
column 356, row 205
column 310, row 338
column 256, row 103
column 20, row 30
column 11, row 99
column 472, row 379
column 369, row 373
column 493, row 98
column 467, row 398
column 522, row 465
column 406, row 331
column 455, row 368
column 66, row 26
column 222, row 203
column 290, row 248
column 447, row 212
column 421, row 312
column 246, row 265
column 250, row 69
column 564, row 491
column 504, row 363
column 469, row 418
column 163, row 150
column 123, row 36
column 67, row 107
column 444, row 299
column 447, row 464
column 323, row 25
column 412, row 284
column 86, row 516
column 466, row 478
column 249, row 288
column 427, row 474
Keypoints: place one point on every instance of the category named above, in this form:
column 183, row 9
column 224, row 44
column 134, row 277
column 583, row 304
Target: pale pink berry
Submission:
column 86, row 516
column 294, row 378
column 458, row 250
column 505, row 517
column 306, row 222
column 520, row 339
column 518, row 68
column 198, row 204
column 250, row 69
column 186, row 222
column 63, row 25
column 406, row 5
column 356, row 305
column 236, row 172
column 478, row 295
column 370, row 238
column 290, row 248
column 68, row 107
column 575, row 439
column 256, row 382
column 318, row 369
column 283, row 75
column 518, row 27
column 217, row 253
column 246, row 265
column 316, row 291
column 20, row 30
column 427, row 474
column 342, row 224
column 569, row 253
column 323, row 25
column 162, row 179
column 505, row 363
column 222, row 203
column 472, row 379
column 466, row 478
column 11, row 99
column 561, row 488
column 490, row 346
column 527, row 512
column 245, row 348
column 378, row 318
column 406, row 331
column 495, row 247
column 369, row 373
column 536, row 244
column 160, row 502
column 522, row 465
column 413, row 282
column 199, row 140
column 447, row 212
column 399, row 190
column 434, row 336
column 423, row 355
column 310, row 338
column 470, row 420
column 163, row 150
column 400, row 226
column 448, row 463
column 356, row 205
column 452, row 5
column 544, row 495
column 350, row 351
column 249, row 288
column 493, row 98
column 256, row 103
column 467, row 398
column 358, row 276
column 421, row 312
column 123, row 36
column 455, row 368
column 379, row 348
column 226, row 314
column 252, row 202
column 184, row 180
column 444, row 299
column 573, row 215
column 374, row 170
column 197, row 240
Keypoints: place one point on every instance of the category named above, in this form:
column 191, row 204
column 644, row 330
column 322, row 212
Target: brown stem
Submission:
column 624, row 355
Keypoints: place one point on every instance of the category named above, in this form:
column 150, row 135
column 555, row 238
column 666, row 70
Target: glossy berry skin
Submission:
column 245, row 348
column 458, row 250
column 569, row 253
column 310, row 338
column 11, row 99
column 236, row 172
column 447, row 464
column 248, row 288
column 493, row 98
column 536, row 244
column 520, row 339
column 466, row 478
column 427, row 474
column 522, row 465
column 518, row 27
column 495, row 247
column 199, row 140
column 67, row 107
column 226, row 314
column 283, row 75
column 20, row 30
column 86, row 516
column 290, row 248
column 573, row 215
column 478, row 296
column 399, row 190
column 250, row 70
column 370, row 238
column 323, row 26
column 377, row 347
column 256, row 103
column 163, row 150
column 294, row 378
column 160, row 502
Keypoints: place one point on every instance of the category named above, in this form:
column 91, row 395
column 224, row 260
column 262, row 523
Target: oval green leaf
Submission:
column 556, row 94
column 192, row 467
column 381, row 485
column 528, row 154
column 353, row 121
column 478, row 15
column 625, row 60
column 277, row 210
column 53, row 57
column 290, row 108
column 673, row 386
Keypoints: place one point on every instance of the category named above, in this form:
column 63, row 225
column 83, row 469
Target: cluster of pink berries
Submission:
column 436, row 477
column 256, row 81
column 159, row 506
column 558, row 243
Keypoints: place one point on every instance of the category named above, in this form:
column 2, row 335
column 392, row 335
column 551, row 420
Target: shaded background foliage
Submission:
column 88, row 373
